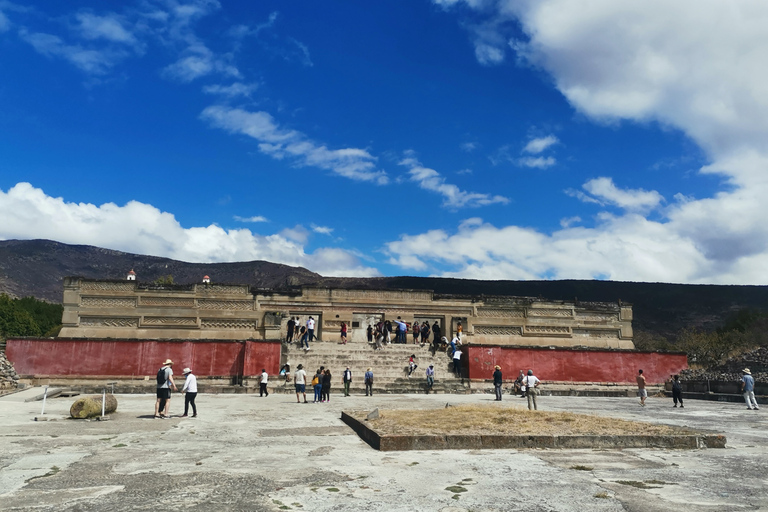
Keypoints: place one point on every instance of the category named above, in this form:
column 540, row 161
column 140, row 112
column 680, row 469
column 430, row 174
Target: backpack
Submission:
column 161, row 377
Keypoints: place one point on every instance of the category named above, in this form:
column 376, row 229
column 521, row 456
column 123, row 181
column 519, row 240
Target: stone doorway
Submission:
column 357, row 332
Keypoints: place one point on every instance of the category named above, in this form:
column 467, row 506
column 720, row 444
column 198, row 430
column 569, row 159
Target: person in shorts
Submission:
column 641, row 391
column 300, row 381
column 163, row 403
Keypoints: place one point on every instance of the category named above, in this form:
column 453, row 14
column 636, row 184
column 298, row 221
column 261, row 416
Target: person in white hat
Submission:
column 190, row 392
column 748, row 388
column 164, row 385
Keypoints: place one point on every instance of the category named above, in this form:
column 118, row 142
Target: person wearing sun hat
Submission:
column 164, row 386
column 190, row 392
column 497, row 382
column 748, row 388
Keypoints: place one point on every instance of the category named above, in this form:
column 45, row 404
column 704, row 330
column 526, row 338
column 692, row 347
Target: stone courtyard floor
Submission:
column 249, row 453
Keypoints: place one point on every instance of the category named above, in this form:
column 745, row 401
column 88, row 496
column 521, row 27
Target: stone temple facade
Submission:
column 132, row 309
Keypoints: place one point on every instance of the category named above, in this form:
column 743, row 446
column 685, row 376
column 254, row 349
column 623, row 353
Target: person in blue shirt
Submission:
column 748, row 388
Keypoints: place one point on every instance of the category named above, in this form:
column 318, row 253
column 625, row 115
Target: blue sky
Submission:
column 491, row 139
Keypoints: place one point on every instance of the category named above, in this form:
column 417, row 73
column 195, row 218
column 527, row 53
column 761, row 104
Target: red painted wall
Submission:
column 574, row 365
column 121, row 358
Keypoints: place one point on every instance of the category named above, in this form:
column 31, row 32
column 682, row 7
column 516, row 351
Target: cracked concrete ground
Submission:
column 249, row 453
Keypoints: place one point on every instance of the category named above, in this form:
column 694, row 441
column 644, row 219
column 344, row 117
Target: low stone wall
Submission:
column 9, row 380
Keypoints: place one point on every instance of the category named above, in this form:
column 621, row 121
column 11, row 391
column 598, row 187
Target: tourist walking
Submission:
column 457, row 362
column 677, row 391
column 430, row 377
column 412, row 364
column 303, row 341
column 368, row 382
column 289, row 330
column 531, row 390
column 641, row 391
column 748, row 388
column 343, row 333
column 300, row 381
column 325, row 393
column 310, row 330
column 189, row 390
column 317, row 386
column 424, row 332
column 497, row 382
column 346, row 378
column 164, row 386
column 416, row 331
column 263, row 383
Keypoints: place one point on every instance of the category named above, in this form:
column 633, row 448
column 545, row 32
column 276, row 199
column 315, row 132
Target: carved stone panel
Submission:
column 95, row 321
column 373, row 295
column 223, row 288
column 547, row 330
column 108, row 302
column 108, row 286
column 500, row 313
column 498, row 330
column 168, row 302
column 169, row 321
column 588, row 316
column 596, row 333
column 550, row 312
column 227, row 305
column 229, row 323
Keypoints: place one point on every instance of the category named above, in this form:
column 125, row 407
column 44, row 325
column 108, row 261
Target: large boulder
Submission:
column 90, row 406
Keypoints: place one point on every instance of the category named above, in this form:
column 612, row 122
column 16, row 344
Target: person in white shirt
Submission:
column 300, row 381
column 310, row 331
column 263, row 383
column 457, row 362
column 531, row 389
column 190, row 392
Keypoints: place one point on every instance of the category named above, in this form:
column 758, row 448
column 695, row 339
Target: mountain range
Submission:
column 36, row 268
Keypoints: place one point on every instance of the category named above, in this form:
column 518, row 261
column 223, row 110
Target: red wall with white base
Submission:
column 123, row 358
column 574, row 365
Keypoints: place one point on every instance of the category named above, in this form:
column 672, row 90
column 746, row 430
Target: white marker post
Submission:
column 103, row 401
column 45, row 395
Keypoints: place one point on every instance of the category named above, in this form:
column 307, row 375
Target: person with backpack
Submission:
column 164, row 385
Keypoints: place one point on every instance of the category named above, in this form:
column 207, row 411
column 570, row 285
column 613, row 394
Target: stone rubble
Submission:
column 9, row 380
column 756, row 360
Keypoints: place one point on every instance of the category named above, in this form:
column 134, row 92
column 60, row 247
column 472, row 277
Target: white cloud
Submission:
column 536, row 146
column 468, row 146
column 569, row 221
column 487, row 54
column 110, row 28
column 198, row 61
column 538, row 162
column 638, row 199
column 27, row 213
column 231, row 91
column 696, row 66
column 280, row 143
column 453, row 197
column 323, row 230
column 96, row 62
column 5, row 23
column 257, row 218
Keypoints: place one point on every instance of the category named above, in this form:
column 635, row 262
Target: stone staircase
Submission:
column 389, row 366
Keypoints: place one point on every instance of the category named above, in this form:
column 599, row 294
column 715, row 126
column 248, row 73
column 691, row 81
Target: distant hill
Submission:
column 36, row 268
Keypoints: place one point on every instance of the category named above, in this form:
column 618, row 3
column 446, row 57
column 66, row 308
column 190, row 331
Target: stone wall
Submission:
column 8, row 377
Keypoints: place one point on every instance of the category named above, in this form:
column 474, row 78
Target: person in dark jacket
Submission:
column 326, row 391
column 497, row 382
column 677, row 391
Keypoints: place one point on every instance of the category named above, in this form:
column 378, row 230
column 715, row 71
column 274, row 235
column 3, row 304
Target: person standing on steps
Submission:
column 289, row 330
column 300, row 381
column 531, row 390
column 457, row 362
column 368, row 382
column 189, row 390
column 424, row 332
column 412, row 364
column 343, row 333
column 310, row 330
column 641, row 391
column 346, row 378
column 497, row 382
column 263, row 383
column 416, row 331
column 677, row 391
column 436, row 330
column 430, row 377
column 748, row 388
column 164, row 386
column 369, row 333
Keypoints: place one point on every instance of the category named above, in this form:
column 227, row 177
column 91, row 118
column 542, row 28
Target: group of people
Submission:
column 321, row 383
column 165, row 384
column 303, row 334
column 527, row 384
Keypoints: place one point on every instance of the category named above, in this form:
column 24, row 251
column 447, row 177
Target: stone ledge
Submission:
column 396, row 442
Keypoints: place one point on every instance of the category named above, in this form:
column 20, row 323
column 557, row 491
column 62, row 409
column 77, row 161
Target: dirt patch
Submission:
column 480, row 420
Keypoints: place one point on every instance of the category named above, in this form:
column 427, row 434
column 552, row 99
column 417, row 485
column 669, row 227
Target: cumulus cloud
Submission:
column 27, row 212
column 537, row 162
column 453, row 196
column 198, row 61
column 109, row 28
column 96, row 62
column 281, row 143
column 231, row 91
column 696, row 66
column 323, row 230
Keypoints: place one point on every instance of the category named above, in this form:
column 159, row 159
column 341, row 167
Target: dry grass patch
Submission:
column 483, row 420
